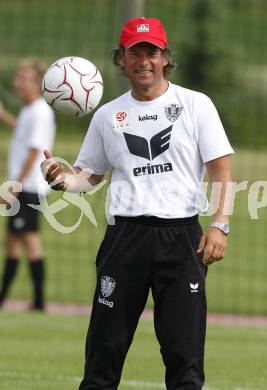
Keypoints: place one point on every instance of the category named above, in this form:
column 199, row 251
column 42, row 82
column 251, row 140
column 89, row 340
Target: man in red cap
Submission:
column 156, row 139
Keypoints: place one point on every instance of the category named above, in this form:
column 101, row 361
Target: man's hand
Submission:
column 73, row 179
column 5, row 202
column 9, row 198
column 53, row 172
column 214, row 244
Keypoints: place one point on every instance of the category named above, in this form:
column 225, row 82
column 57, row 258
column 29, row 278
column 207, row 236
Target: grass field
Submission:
column 237, row 284
column 46, row 353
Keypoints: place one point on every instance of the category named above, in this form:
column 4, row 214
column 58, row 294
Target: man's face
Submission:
column 26, row 83
column 143, row 65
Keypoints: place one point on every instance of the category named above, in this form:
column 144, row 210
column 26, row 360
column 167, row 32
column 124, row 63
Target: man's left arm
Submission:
column 32, row 156
column 214, row 241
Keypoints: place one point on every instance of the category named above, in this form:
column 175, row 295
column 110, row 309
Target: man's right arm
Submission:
column 8, row 118
column 75, row 180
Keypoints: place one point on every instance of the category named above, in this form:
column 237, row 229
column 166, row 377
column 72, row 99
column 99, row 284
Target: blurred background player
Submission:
column 34, row 130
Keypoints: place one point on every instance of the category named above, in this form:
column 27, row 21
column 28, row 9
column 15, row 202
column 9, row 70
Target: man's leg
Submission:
column 123, row 278
column 180, row 306
column 34, row 252
column 13, row 251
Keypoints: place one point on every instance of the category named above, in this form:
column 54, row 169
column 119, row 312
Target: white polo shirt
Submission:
column 35, row 129
column 156, row 150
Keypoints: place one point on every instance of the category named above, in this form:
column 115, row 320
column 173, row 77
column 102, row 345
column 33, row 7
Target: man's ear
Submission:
column 121, row 61
column 165, row 61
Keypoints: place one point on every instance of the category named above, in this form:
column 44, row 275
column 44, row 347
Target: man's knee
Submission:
column 33, row 246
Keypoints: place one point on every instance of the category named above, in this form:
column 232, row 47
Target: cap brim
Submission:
column 132, row 42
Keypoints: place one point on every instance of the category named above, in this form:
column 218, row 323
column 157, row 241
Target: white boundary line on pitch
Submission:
column 130, row 383
column 156, row 385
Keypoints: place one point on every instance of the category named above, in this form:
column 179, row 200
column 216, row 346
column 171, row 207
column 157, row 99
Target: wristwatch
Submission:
column 223, row 227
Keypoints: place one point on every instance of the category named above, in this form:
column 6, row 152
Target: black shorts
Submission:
column 136, row 255
column 27, row 218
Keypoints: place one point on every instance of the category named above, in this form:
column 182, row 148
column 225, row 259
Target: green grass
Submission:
column 237, row 284
column 41, row 352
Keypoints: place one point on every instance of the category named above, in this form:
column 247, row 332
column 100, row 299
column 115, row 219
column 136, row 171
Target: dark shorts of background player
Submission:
column 139, row 254
column 27, row 219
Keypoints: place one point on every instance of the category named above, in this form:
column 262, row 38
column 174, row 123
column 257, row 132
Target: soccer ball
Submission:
column 72, row 86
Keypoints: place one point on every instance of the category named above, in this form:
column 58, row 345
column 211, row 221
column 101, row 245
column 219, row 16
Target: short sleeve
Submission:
column 42, row 128
column 92, row 153
column 212, row 139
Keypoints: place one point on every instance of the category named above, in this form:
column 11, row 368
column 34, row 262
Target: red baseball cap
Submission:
column 138, row 30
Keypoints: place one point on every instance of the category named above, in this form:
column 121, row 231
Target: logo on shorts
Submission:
column 19, row 223
column 120, row 119
column 107, row 287
column 194, row 287
column 173, row 111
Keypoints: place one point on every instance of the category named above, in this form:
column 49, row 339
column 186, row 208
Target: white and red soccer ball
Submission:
column 72, row 86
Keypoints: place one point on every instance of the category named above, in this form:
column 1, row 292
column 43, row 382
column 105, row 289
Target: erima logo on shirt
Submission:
column 140, row 147
column 152, row 169
column 147, row 118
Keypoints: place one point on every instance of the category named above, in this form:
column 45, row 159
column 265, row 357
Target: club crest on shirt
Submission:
column 107, row 286
column 173, row 111
column 120, row 119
